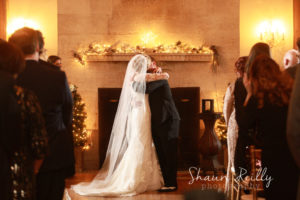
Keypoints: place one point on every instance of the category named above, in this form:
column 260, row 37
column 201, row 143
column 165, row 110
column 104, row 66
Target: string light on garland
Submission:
column 221, row 129
column 98, row 49
column 80, row 134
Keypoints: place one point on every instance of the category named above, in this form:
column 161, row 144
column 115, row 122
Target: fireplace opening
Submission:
column 187, row 102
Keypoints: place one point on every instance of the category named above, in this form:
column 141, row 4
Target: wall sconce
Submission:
column 271, row 32
column 18, row 23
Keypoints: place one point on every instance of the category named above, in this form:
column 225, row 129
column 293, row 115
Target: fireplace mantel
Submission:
column 170, row 57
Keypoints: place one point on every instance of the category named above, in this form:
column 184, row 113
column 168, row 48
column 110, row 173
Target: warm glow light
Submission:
column 148, row 39
column 18, row 23
column 271, row 32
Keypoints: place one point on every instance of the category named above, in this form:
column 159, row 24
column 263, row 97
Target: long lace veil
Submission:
column 118, row 143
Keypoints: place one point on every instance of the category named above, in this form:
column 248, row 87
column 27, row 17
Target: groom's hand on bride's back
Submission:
column 150, row 86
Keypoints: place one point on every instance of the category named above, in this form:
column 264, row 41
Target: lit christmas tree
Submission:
column 80, row 134
column 221, row 129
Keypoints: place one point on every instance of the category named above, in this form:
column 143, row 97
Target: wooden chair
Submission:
column 253, row 185
column 235, row 187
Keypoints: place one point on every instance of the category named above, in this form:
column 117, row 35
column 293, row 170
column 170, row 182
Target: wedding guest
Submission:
column 41, row 43
column 291, row 58
column 246, row 133
column 230, row 119
column 292, row 70
column 55, row 60
column 268, row 91
column 23, row 138
column 293, row 123
column 52, row 90
column 256, row 50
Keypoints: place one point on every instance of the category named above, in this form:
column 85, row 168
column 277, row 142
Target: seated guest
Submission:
column 232, row 127
column 52, row 90
column 23, row 138
column 55, row 60
column 268, row 91
column 291, row 58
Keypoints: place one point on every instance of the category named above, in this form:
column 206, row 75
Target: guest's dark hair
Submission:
column 240, row 64
column 298, row 43
column 259, row 48
column 11, row 58
column 269, row 82
column 52, row 59
column 25, row 38
column 41, row 41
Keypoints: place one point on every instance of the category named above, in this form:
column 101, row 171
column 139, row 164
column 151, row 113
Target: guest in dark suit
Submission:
column 52, row 90
column 293, row 123
column 268, row 91
column 55, row 60
column 165, row 122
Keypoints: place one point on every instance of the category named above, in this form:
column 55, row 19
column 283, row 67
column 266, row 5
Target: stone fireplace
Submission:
column 85, row 21
column 187, row 97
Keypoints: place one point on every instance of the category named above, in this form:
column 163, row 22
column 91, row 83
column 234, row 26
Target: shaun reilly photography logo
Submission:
column 213, row 182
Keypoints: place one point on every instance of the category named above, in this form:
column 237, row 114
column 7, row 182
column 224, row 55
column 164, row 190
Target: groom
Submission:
column 165, row 129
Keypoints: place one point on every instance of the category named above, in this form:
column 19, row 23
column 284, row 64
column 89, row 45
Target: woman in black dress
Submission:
column 23, row 139
column 268, row 90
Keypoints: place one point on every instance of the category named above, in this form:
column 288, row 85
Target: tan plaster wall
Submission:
column 81, row 22
column 253, row 12
column 42, row 13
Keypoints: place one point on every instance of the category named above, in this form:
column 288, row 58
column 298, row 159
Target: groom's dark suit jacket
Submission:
column 162, row 105
column 52, row 90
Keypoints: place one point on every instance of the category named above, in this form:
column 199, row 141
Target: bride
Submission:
column 131, row 166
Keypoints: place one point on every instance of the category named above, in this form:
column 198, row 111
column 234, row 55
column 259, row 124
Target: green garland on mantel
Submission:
column 179, row 47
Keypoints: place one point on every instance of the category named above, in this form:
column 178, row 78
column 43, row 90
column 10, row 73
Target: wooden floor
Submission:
column 184, row 180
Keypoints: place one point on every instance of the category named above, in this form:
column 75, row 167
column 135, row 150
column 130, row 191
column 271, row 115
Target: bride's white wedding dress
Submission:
column 131, row 165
